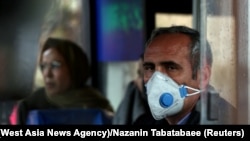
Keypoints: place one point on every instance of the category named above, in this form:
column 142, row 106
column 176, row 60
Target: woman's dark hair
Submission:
column 75, row 58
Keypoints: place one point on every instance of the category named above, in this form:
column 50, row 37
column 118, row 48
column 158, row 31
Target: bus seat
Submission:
column 68, row 116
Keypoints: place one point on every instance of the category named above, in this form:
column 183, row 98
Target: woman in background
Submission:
column 65, row 70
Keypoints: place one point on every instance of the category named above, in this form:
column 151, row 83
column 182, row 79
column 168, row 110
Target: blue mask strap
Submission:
column 184, row 93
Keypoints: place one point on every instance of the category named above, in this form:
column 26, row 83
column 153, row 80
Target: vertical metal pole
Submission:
column 207, row 101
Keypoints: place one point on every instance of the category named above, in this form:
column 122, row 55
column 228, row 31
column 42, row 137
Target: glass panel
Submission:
column 225, row 26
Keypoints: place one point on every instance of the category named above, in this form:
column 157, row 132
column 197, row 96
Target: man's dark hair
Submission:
column 75, row 58
column 195, row 49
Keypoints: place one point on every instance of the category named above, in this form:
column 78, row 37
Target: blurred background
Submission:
column 113, row 34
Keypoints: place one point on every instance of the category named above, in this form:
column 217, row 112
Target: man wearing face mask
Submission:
column 176, row 73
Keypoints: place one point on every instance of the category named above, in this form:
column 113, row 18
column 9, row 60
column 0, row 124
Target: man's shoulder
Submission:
column 211, row 89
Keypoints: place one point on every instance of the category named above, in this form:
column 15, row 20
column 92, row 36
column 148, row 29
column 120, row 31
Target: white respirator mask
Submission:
column 166, row 97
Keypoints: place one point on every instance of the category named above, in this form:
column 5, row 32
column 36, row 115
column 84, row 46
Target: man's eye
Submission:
column 171, row 68
column 148, row 68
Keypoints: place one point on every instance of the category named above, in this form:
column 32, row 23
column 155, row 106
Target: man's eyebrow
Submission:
column 168, row 63
column 171, row 63
column 148, row 63
column 163, row 63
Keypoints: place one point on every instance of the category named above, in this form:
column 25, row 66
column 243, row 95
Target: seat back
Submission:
column 68, row 116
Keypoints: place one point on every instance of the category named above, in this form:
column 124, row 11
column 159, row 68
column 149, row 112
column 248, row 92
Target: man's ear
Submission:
column 204, row 76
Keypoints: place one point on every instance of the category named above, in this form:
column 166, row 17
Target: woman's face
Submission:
column 55, row 72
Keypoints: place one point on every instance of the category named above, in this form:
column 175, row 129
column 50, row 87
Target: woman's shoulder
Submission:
column 97, row 97
column 35, row 98
column 38, row 93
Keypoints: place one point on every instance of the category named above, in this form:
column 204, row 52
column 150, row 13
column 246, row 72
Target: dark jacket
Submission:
column 133, row 105
column 85, row 98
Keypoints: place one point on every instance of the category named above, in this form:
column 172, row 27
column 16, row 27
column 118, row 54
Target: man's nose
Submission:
column 160, row 69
